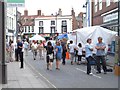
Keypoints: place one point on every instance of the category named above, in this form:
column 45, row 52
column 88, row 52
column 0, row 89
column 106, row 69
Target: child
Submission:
column 79, row 53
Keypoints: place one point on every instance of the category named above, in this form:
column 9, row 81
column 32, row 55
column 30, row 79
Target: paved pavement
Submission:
column 22, row 78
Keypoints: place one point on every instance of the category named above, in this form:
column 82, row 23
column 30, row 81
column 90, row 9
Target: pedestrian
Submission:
column 16, row 51
column 72, row 48
column 40, row 49
column 88, row 55
column 34, row 49
column 7, row 52
column 50, row 55
column 58, row 55
column 20, row 52
column 64, row 50
column 11, row 51
column 100, row 56
column 79, row 54
column 26, row 47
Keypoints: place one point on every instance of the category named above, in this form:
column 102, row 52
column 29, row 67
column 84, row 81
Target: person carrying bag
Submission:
column 50, row 56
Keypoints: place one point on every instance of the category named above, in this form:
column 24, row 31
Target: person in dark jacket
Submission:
column 50, row 55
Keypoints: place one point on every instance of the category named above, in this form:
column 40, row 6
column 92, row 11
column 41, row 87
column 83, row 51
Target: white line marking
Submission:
column 42, row 76
column 85, row 72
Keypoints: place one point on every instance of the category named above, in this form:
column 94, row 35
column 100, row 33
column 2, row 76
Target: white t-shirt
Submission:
column 72, row 47
column 80, row 50
column 34, row 46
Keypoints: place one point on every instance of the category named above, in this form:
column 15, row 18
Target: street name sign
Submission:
column 15, row 3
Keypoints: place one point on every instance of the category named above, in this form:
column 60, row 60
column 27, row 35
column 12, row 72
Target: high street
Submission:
column 71, row 76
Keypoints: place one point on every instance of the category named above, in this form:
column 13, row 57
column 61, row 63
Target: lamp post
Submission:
column 56, row 21
column 3, row 66
column 119, row 32
column 85, row 6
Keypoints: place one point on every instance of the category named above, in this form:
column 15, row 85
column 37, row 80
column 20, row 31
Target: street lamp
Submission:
column 3, row 66
column 56, row 20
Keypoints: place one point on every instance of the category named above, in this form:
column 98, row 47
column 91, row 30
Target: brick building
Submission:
column 29, row 27
column 105, row 13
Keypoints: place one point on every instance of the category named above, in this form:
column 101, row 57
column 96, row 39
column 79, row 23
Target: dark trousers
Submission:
column 21, row 59
column 101, row 60
column 16, row 55
column 79, row 57
column 89, row 59
column 63, row 57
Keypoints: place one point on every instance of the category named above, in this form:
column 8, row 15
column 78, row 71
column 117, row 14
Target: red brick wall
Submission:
column 96, row 16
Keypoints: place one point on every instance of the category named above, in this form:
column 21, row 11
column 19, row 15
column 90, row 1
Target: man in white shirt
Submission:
column 26, row 46
column 34, row 49
column 72, row 47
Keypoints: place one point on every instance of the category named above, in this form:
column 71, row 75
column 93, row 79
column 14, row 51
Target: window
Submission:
column 64, row 23
column 64, row 29
column 115, row 0
column 100, row 4
column 95, row 6
column 52, row 29
column 32, row 28
column 40, row 23
column 107, row 2
column 25, row 28
column 52, row 22
column 41, row 30
column 28, row 28
column 12, row 23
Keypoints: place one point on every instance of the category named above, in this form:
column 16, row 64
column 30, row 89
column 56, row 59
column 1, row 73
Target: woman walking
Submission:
column 79, row 53
column 58, row 55
column 50, row 55
column 11, row 48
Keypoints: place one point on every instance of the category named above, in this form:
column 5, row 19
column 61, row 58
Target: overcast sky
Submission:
column 51, row 6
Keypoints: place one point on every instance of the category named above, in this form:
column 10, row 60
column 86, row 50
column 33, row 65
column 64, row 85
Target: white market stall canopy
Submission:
column 93, row 32
column 37, row 37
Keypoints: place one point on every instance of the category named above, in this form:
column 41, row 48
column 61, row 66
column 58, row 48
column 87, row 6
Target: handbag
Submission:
column 51, row 56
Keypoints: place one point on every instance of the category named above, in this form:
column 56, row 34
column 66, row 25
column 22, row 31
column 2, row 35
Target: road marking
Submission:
column 42, row 76
column 85, row 72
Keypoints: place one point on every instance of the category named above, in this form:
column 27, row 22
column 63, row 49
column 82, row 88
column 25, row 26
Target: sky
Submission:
column 49, row 7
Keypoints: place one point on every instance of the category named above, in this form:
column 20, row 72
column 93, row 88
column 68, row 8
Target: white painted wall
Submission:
column 11, row 23
column 47, row 23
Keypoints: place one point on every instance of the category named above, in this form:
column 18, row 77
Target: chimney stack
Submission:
column 39, row 12
column 60, row 11
column 26, row 12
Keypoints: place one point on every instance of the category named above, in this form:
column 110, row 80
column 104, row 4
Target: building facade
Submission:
column 53, row 24
column 10, row 23
column 105, row 13
column 47, row 26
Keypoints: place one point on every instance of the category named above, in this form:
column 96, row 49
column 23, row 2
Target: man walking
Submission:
column 20, row 52
column 100, row 55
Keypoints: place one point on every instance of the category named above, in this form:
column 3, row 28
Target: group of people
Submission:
column 58, row 52
column 61, row 48
column 14, row 51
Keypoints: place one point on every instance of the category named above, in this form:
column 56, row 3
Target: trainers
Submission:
column 90, row 73
column 98, row 72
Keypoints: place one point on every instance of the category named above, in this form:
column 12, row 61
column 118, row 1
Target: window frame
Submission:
column 40, row 23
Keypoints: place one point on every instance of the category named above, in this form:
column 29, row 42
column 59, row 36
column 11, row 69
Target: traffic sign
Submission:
column 15, row 3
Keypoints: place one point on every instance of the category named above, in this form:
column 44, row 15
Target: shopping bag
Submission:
column 67, row 56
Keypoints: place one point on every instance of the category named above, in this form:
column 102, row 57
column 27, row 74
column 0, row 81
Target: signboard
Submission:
column 110, row 17
column 15, row 3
